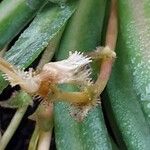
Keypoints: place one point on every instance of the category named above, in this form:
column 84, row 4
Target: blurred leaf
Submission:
column 18, row 100
column 14, row 15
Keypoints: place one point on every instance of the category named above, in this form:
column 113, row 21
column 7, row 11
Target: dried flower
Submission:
column 74, row 69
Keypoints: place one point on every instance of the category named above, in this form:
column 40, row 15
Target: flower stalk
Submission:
column 43, row 129
column 110, row 42
column 12, row 127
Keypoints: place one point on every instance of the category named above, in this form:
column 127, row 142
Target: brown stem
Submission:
column 73, row 97
column 111, row 38
column 12, row 127
column 103, row 78
column 112, row 30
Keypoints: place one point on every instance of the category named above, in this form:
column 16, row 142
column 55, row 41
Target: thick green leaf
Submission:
column 14, row 15
column 135, row 32
column 123, row 109
column 129, row 82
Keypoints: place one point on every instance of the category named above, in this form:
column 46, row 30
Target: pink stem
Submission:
column 111, row 38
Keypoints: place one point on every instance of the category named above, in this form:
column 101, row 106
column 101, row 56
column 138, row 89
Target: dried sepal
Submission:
column 102, row 53
column 105, row 52
column 79, row 112
column 70, row 70
column 26, row 79
column 17, row 76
